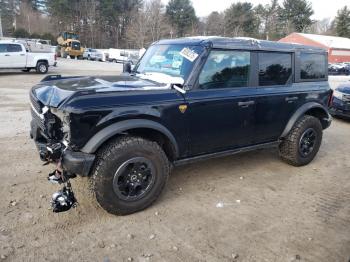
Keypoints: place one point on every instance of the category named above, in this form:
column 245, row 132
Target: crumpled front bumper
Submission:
column 74, row 163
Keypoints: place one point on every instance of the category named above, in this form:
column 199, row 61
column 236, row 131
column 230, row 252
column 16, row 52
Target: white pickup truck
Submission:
column 14, row 55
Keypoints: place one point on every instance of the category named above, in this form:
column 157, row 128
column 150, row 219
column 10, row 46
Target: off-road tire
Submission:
column 289, row 147
column 42, row 67
column 111, row 157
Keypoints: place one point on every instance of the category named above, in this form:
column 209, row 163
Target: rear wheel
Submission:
column 129, row 175
column 303, row 142
column 42, row 67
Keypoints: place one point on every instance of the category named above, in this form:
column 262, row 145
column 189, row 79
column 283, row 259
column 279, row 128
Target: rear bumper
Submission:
column 75, row 163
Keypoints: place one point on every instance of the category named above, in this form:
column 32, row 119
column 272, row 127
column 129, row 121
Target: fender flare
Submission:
column 103, row 135
column 300, row 112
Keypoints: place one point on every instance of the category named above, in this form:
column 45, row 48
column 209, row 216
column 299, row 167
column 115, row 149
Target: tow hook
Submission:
column 64, row 199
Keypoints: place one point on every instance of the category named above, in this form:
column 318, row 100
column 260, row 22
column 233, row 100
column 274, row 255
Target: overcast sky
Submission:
column 322, row 8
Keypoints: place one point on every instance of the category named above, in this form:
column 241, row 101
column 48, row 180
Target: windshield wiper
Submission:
column 179, row 89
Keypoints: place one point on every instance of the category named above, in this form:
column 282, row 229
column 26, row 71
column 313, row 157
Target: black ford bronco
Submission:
column 185, row 100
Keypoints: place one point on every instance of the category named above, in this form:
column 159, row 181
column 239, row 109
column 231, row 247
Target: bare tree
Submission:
column 215, row 24
column 157, row 22
column 148, row 24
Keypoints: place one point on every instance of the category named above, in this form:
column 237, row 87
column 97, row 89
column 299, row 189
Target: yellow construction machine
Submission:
column 69, row 45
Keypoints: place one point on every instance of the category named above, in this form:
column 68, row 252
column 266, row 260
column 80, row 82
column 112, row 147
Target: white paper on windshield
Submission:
column 188, row 54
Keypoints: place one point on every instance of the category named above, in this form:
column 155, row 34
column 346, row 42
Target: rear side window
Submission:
column 274, row 68
column 14, row 48
column 312, row 66
column 225, row 69
column 3, row 48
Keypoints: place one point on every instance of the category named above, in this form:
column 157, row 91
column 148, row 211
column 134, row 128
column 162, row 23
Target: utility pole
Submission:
column 1, row 34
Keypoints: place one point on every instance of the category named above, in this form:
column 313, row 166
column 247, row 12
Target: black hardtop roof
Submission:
column 240, row 43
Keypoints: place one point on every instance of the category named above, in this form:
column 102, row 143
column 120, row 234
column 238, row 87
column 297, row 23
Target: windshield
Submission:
column 173, row 60
column 75, row 45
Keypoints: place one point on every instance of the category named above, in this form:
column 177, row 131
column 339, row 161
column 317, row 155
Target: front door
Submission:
column 5, row 58
column 222, row 106
column 17, row 55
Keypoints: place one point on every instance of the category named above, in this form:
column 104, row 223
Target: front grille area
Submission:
column 36, row 104
column 346, row 98
column 38, row 121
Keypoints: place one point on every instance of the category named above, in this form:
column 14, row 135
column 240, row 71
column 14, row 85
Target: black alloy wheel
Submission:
column 307, row 142
column 134, row 178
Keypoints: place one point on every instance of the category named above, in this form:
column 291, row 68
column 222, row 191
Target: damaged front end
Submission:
column 50, row 129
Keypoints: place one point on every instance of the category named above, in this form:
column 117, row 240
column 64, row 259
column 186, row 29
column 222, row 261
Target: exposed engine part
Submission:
column 55, row 151
column 56, row 177
column 64, row 199
column 51, row 153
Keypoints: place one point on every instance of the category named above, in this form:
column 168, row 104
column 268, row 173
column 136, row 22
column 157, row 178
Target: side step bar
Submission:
column 224, row 153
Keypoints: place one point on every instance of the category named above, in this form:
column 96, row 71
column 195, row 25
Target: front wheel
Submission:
column 301, row 145
column 129, row 175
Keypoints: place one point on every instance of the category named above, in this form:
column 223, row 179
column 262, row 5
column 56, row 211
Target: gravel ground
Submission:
column 247, row 207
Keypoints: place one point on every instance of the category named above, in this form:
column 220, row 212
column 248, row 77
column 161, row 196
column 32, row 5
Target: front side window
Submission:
column 225, row 69
column 14, row 48
column 274, row 68
column 312, row 66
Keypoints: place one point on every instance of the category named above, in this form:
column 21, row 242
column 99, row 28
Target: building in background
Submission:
column 338, row 47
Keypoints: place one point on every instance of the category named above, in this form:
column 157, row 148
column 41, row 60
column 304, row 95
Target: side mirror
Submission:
column 127, row 67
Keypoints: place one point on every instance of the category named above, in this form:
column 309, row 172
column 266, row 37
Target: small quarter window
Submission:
column 312, row 66
column 225, row 69
column 274, row 68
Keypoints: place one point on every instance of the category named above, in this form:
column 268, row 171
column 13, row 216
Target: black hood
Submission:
column 53, row 93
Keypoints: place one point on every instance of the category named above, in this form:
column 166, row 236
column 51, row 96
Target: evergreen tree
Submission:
column 241, row 20
column 296, row 15
column 269, row 20
column 181, row 15
column 342, row 22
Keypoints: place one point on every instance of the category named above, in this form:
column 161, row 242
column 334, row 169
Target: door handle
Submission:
column 22, row 54
column 291, row 99
column 7, row 55
column 246, row 103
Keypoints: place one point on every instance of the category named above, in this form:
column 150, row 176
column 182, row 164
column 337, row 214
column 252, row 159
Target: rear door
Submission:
column 221, row 109
column 17, row 55
column 277, row 96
